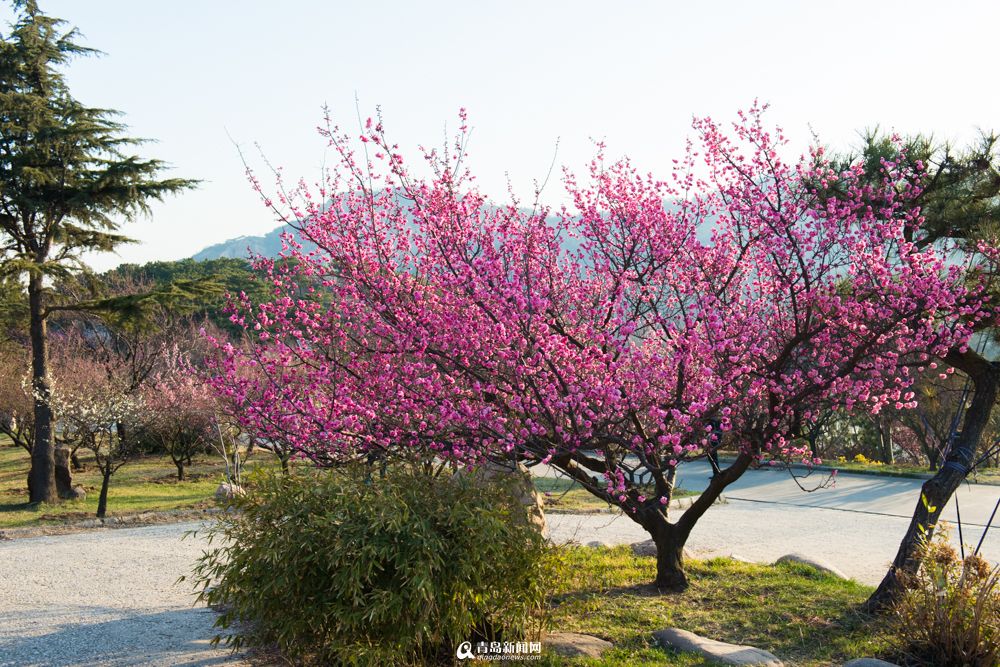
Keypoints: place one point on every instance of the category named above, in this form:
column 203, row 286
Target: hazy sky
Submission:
column 197, row 76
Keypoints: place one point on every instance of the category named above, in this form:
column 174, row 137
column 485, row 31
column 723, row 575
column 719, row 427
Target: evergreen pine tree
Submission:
column 67, row 182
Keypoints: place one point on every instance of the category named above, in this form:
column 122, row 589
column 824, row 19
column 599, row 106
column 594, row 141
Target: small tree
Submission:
column 67, row 182
column 614, row 343
column 180, row 413
column 90, row 406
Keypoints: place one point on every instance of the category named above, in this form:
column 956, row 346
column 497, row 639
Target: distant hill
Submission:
column 268, row 245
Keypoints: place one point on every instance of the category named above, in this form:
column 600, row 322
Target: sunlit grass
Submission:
column 802, row 616
column 148, row 483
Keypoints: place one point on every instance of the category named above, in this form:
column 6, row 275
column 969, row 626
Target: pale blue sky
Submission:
column 192, row 74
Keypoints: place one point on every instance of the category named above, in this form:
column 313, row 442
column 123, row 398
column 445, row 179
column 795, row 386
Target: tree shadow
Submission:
column 170, row 637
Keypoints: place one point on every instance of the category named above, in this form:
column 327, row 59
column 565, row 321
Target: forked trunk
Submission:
column 670, row 538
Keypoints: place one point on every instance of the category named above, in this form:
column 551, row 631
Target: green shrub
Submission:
column 950, row 612
column 340, row 568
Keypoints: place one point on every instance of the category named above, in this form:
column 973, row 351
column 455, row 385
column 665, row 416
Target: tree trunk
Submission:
column 180, row 469
column 102, row 501
column 42, row 476
column 885, row 441
column 669, row 543
column 938, row 490
column 121, row 430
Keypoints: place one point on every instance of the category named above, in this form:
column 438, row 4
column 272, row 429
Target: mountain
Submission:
column 241, row 247
column 269, row 245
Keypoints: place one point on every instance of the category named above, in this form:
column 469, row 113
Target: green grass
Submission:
column 982, row 475
column 800, row 615
column 148, row 483
column 566, row 495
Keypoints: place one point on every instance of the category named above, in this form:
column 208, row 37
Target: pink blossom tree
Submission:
column 180, row 412
column 615, row 340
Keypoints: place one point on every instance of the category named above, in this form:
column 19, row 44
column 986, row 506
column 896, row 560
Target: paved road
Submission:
column 111, row 597
column 856, row 525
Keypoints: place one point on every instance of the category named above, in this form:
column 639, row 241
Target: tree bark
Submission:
column 102, row 501
column 938, row 490
column 180, row 469
column 42, row 476
column 885, row 440
column 669, row 541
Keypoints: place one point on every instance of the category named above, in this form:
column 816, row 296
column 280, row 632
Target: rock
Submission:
column 64, row 476
column 77, row 493
column 727, row 654
column 521, row 485
column 869, row 662
column 597, row 544
column 573, row 644
column 816, row 563
column 648, row 548
column 228, row 491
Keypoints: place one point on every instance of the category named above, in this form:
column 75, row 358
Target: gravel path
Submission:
column 108, row 597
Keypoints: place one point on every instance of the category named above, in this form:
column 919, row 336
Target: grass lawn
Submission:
column 565, row 495
column 982, row 475
column 800, row 615
column 148, row 483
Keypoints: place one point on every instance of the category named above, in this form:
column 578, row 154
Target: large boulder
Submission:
column 573, row 645
column 521, row 485
column 816, row 563
column 727, row 654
